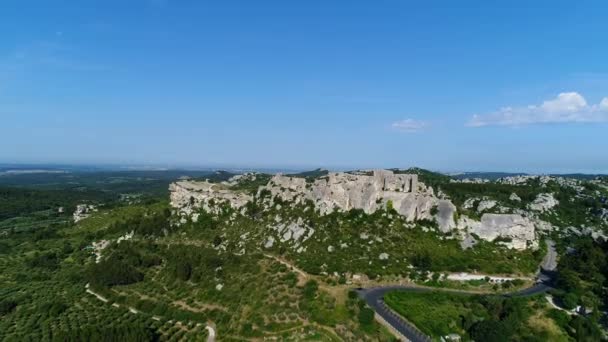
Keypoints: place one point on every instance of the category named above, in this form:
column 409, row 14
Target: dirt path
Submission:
column 211, row 331
column 100, row 297
column 302, row 276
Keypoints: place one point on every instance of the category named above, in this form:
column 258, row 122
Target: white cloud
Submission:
column 604, row 104
column 566, row 107
column 409, row 125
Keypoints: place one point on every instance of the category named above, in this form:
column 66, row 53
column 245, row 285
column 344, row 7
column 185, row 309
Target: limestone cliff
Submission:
column 187, row 195
column 345, row 191
column 368, row 191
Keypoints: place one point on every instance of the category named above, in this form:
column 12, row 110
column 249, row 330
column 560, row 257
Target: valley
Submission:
column 254, row 256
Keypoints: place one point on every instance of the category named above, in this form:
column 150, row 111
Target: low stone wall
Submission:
column 390, row 327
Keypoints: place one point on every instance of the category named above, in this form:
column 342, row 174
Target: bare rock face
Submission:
column 187, row 195
column 543, row 202
column 344, row 191
column 515, row 230
column 604, row 214
column 336, row 191
column 486, row 204
column 368, row 191
column 514, row 198
column 295, row 232
column 445, row 215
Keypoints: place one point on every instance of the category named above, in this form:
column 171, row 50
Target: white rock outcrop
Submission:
column 187, row 195
column 368, row 192
column 514, row 198
column 515, row 230
column 543, row 202
column 83, row 211
column 98, row 247
column 269, row 242
column 294, row 231
column 486, row 204
column 470, row 203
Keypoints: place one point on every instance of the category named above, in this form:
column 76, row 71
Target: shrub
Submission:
column 7, row 306
column 310, row 289
column 366, row 316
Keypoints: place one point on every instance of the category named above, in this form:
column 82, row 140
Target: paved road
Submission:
column 550, row 261
column 374, row 297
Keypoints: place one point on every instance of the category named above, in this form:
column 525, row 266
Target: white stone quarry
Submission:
column 543, row 202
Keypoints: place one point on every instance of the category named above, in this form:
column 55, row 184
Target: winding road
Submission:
column 374, row 297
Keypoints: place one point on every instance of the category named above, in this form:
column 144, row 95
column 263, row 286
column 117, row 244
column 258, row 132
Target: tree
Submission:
column 569, row 300
column 490, row 330
column 585, row 329
column 310, row 289
column 422, row 260
column 6, row 306
column 113, row 271
column 183, row 271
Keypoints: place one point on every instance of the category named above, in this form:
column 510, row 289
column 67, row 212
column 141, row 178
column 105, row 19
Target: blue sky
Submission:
column 464, row 85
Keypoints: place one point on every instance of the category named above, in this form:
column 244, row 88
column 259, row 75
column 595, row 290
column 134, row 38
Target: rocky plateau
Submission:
column 368, row 191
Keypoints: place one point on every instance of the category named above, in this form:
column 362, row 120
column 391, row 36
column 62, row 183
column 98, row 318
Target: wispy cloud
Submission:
column 409, row 125
column 565, row 108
